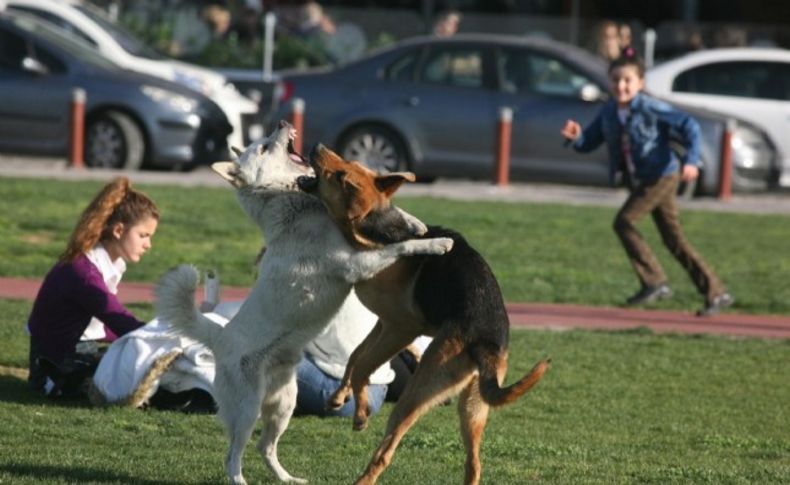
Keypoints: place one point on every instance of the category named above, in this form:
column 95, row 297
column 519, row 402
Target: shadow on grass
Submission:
column 14, row 390
column 77, row 475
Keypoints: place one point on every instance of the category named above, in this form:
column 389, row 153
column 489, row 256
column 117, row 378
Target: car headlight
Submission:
column 751, row 150
column 176, row 101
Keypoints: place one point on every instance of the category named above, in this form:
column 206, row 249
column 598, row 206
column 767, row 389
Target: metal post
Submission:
column 650, row 47
column 297, row 121
column 504, row 128
column 270, row 20
column 725, row 167
column 77, row 152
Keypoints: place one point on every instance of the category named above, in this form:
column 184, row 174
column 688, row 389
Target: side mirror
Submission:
column 591, row 93
column 34, row 66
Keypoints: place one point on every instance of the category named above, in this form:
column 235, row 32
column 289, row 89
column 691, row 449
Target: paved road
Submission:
column 521, row 315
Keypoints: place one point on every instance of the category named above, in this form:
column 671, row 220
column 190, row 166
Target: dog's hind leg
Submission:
column 442, row 373
column 239, row 417
column 343, row 392
column 384, row 348
column 473, row 413
column 278, row 406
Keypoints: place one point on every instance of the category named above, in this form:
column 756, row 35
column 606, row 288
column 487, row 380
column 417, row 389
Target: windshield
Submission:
column 68, row 42
column 125, row 39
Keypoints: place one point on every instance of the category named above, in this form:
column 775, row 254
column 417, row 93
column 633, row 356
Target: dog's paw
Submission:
column 415, row 226
column 442, row 245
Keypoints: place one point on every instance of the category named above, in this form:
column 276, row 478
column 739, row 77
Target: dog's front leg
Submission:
column 416, row 226
column 364, row 265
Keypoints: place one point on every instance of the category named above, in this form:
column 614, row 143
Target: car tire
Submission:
column 381, row 149
column 114, row 140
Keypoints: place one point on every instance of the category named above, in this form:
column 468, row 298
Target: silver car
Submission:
column 431, row 106
column 131, row 119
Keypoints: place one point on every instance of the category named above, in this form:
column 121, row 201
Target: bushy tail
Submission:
column 175, row 304
column 490, row 360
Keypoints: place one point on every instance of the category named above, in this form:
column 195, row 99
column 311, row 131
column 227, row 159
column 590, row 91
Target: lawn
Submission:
column 629, row 407
column 616, row 407
column 539, row 252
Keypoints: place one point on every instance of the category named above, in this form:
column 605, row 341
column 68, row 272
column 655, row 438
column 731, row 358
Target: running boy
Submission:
column 637, row 129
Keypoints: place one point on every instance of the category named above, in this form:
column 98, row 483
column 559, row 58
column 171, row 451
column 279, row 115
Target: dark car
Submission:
column 131, row 119
column 431, row 106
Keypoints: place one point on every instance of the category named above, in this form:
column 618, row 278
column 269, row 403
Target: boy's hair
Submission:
column 628, row 57
column 116, row 203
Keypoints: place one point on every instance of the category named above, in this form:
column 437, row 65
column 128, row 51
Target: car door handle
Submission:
column 411, row 101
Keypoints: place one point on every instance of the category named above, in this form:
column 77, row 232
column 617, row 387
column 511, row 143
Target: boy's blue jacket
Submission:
column 651, row 126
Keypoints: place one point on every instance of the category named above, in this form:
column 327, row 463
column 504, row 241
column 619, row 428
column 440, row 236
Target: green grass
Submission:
column 629, row 407
column 616, row 407
column 539, row 252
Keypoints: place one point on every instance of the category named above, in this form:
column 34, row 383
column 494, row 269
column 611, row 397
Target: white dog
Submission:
column 306, row 275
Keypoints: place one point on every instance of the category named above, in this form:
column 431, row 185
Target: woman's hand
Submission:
column 690, row 172
column 572, row 130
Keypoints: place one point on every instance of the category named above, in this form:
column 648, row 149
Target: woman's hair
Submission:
column 628, row 57
column 117, row 203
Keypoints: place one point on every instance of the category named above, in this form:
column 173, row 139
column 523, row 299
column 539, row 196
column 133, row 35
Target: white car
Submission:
column 751, row 84
column 125, row 50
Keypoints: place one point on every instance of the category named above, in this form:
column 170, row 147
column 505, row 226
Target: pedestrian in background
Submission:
column 447, row 24
column 636, row 129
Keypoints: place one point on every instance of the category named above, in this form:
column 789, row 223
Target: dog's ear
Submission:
column 229, row 171
column 237, row 151
column 387, row 184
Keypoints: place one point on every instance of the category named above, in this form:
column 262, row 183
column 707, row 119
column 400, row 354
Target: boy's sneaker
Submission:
column 714, row 306
column 650, row 294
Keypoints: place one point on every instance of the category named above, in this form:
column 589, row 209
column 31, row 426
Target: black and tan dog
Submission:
column 454, row 298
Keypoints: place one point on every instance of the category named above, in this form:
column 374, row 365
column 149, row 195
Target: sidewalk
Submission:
column 763, row 203
column 525, row 315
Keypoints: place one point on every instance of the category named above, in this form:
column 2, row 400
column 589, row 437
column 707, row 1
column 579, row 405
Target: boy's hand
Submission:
column 690, row 172
column 572, row 130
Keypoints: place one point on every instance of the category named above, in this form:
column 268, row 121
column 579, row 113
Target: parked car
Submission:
column 752, row 84
column 431, row 105
column 130, row 118
column 123, row 48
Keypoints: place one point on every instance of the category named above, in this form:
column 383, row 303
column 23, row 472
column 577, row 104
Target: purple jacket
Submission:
column 69, row 297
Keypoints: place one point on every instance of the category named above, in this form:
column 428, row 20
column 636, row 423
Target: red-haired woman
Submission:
column 78, row 295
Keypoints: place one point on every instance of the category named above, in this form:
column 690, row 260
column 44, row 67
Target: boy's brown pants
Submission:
column 659, row 199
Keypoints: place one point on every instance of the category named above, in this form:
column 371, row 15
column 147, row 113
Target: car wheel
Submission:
column 113, row 140
column 379, row 148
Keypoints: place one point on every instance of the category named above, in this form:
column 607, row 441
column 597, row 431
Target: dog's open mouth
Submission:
column 293, row 155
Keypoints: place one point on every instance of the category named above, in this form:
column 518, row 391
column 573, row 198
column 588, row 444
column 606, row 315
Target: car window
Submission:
column 402, row 69
column 456, row 67
column 554, row 77
column 54, row 19
column 14, row 48
column 764, row 80
column 124, row 38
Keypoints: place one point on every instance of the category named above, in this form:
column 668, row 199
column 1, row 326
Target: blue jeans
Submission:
column 315, row 387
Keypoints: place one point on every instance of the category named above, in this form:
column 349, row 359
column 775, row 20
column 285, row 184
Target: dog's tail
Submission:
column 490, row 361
column 175, row 304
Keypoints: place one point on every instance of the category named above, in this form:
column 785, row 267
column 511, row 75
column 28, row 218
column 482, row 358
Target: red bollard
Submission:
column 504, row 129
column 77, row 152
column 297, row 121
column 725, row 169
